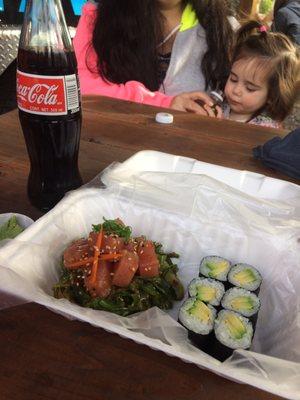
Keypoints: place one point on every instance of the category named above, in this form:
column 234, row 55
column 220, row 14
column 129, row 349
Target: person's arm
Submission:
column 92, row 83
column 294, row 33
column 280, row 21
column 283, row 24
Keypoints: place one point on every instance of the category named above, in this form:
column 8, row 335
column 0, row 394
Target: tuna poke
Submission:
column 113, row 271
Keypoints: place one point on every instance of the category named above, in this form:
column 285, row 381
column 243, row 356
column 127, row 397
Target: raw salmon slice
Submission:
column 125, row 269
column 148, row 261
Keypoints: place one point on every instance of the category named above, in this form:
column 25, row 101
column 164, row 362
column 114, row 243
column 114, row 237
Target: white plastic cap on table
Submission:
column 164, row 118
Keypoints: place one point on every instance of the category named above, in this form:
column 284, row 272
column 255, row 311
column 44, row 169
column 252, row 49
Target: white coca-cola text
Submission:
column 33, row 94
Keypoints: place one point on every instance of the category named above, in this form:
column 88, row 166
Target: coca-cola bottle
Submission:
column 49, row 103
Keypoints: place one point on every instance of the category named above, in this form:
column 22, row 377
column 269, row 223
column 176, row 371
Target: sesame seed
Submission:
column 142, row 251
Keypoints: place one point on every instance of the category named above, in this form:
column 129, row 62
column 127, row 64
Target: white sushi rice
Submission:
column 198, row 282
column 206, row 271
column 240, row 267
column 193, row 323
column 231, row 294
column 223, row 334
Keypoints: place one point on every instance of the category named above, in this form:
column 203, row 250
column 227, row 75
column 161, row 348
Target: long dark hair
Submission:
column 127, row 32
column 281, row 59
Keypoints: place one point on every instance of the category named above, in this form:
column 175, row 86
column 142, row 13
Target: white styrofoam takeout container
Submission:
column 195, row 209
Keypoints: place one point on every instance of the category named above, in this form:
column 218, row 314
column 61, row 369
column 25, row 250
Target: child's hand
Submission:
column 188, row 102
column 215, row 111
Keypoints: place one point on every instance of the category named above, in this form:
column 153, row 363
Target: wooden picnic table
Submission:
column 46, row 356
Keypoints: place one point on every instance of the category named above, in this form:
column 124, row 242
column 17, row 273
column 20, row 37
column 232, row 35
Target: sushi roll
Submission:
column 241, row 301
column 232, row 331
column 245, row 276
column 197, row 316
column 207, row 290
column 215, row 267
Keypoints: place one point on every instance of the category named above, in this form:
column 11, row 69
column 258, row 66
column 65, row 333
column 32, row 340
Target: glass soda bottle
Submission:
column 49, row 103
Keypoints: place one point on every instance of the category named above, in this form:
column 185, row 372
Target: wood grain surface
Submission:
column 46, row 356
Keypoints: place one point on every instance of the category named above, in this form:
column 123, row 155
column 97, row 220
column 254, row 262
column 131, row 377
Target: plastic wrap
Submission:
column 194, row 215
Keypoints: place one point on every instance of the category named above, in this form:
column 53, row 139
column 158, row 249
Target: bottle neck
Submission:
column 45, row 26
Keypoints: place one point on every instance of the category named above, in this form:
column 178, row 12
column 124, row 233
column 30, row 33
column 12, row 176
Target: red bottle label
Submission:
column 47, row 95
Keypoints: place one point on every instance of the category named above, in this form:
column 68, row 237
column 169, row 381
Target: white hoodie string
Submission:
column 169, row 35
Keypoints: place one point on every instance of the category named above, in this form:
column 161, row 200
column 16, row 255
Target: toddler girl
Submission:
column 262, row 85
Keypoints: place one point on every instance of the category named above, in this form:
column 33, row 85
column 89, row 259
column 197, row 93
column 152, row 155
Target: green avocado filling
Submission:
column 245, row 277
column 216, row 268
column 206, row 293
column 242, row 303
column 200, row 311
column 235, row 326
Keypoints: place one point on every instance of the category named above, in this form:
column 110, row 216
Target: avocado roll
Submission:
column 242, row 301
column 197, row 316
column 215, row 267
column 245, row 276
column 232, row 331
column 207, row 290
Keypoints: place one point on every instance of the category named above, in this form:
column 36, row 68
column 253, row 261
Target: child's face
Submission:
column 246, row 89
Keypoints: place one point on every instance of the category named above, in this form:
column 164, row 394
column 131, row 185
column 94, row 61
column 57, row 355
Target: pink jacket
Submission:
column 92, row 83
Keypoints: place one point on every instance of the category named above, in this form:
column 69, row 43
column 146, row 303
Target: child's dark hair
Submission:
column 127, row 33
column 282, row 60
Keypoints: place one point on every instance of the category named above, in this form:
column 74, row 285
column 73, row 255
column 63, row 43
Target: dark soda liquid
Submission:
column 52, row 141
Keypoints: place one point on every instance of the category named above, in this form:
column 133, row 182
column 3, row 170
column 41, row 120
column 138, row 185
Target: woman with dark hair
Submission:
column 154, row 51
column 287, row 19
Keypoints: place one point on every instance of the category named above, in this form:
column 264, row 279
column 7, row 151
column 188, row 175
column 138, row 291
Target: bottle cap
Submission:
column 216, row 96
column 164, row 118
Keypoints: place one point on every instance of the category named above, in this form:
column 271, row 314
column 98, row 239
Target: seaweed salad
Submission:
column 113, row 271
